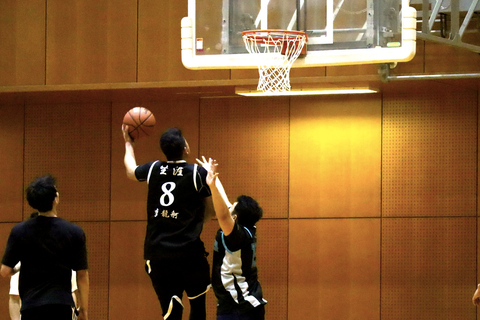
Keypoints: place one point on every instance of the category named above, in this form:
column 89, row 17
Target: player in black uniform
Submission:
column 234, row 271
column 49, row 248
column 178, row 203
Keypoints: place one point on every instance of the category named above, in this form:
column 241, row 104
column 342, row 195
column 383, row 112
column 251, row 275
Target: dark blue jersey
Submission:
column 49, row 249
column 234, row 271
column 175, row 208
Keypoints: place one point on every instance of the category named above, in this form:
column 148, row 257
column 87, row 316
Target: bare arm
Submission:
column 14, row 305
column 219, row 197
column 6, row 271
column 476, row 297
column 83, row 284
column 129, row 159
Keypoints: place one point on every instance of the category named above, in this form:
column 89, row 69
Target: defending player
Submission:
column 234, row 271
column 178, row 203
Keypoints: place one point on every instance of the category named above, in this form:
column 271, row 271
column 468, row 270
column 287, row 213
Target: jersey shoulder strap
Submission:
column 150, row 171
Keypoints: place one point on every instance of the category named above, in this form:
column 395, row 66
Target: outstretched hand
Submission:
column 211, row 167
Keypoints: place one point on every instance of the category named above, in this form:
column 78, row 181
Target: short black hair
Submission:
column 41, row 193
column 248, row 211
column 173, row 144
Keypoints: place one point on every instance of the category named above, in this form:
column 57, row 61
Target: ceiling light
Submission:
column 305, row 91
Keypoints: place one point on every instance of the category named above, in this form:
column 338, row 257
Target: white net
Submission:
column 276, row 51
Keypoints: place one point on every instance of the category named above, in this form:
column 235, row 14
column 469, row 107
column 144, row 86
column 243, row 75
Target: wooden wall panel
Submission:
column 129, row 197
column 249, row 74
column 131, row 295
column 352, row 70
column 429, row 153
column 159, row 44
column 22, row 38
column 334, row 269
column 428, row 268
column 440, row 58
column 5, row 229
column 335, row 156
column 90, row 41
column 71, row 142
column 11, row 159
column 98, row 246
column 272, row 263
column 249, row 138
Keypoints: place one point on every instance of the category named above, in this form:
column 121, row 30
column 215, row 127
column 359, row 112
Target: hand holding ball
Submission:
column 140, row 122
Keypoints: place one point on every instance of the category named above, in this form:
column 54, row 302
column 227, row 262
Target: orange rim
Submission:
column 262, row 36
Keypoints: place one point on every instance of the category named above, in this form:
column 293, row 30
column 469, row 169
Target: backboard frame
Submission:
column 376, row 54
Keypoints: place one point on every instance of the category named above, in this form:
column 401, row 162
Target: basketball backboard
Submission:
column 340, row 32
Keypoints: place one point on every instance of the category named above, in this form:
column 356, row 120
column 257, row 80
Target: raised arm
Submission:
column 219, row 197
column 129, row 159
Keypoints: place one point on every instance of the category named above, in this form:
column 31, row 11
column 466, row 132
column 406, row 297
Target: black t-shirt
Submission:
column 49, row 249
column 234, row 271
column 175, row 208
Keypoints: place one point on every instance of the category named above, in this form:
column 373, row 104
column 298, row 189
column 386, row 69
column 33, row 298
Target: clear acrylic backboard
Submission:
column 340, row 32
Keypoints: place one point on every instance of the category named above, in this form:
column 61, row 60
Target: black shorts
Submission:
column 258, row 313
column 174, row 276
column 49, row 311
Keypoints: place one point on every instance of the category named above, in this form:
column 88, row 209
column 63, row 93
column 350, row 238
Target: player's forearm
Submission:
column 225, row 220
column 130, row 161
column 221, row 208
column 83, row 284
column 222, row 192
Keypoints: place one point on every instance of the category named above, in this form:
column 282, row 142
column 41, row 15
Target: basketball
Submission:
column 140, row 122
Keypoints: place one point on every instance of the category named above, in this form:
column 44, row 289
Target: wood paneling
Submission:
column 429, row 156
column 440, row 58
column 71, row 142
column 98, row 248
column 91, row 41
column 369, row 199
column 129, row 197
column 335, row 156
column 131, row 295
column 22, row 38
column 359, row 69
column 11, row 159
column 272, row 263
column 334, row 269
column 428, row 268
column 249, row 138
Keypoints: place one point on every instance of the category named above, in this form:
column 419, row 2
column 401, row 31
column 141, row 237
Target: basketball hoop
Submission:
column 276, row 51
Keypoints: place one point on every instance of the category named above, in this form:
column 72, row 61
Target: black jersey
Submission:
column 49, row 248
column 234, row 271
column 175, row 208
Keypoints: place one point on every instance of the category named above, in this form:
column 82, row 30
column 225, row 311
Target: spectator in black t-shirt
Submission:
column 49, row 248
